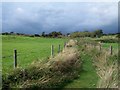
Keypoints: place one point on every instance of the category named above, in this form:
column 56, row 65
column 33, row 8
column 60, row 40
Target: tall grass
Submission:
column 52, row 73
column 107, row 69
column 106, row 65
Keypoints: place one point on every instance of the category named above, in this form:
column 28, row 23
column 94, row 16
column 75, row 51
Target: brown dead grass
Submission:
column 106, row 65
column 71, row 43
column 107, row 70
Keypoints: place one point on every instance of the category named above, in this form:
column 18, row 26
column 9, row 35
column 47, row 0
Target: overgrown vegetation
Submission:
column 108, row 40
column 96, row 33
column 105, row 64
column 88, row 77
column 107, row 69
column 54, row 73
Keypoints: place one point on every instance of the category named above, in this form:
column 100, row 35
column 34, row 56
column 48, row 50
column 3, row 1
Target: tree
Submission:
column 54, row 34
column 11, row 33
column 98, row 33
column 68, row 34
column 36, row 35
column 43, row 34
column 5, row 33
column 118, row 35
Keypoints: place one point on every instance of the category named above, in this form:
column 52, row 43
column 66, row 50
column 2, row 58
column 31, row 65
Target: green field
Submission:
column 29, row 49
column 37, row 48
column 107, row 45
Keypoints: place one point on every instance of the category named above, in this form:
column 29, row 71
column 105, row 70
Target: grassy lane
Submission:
column 88, row 77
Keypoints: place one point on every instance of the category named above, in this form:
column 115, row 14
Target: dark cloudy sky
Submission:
column 29, row 17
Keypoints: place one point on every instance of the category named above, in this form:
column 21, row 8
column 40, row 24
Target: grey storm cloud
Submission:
column 65, row 17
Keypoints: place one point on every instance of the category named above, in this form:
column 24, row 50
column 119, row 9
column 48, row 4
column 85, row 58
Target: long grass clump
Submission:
column 107, row 69
column 106, row 64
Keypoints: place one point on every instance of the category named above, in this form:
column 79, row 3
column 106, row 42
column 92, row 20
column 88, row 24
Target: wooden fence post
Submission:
column 93, row 45
column 64, row 44
column 52, row 50
column 85, row 45
column 15, row 58
column 59, row 48
column 111, row 50
column 100, row 47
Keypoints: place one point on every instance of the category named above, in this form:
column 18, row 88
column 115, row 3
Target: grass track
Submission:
column 88, row 76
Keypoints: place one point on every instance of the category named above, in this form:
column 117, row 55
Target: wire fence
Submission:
column 14, row 59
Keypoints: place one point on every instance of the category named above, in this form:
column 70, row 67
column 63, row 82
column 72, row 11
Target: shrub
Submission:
column 108, row 40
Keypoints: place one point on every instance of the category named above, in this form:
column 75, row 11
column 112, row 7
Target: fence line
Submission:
column 52, row 51
column 59, row 50
column 52, row 54
column 64, row 44
column 15, row 58
column 111, row 50
column 99, row 47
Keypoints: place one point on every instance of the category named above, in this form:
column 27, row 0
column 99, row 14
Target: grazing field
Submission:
column 81, row 64
column 56, row 72
column 29, row 49
column 107, row 45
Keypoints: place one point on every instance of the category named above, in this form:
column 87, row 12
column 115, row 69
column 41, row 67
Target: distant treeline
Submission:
column 51, row 34
column 96, row 33
column 55, row 34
